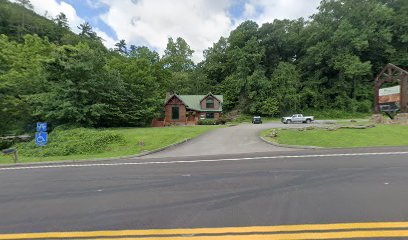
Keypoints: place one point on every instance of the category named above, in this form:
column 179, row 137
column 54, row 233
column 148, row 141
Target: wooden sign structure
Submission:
column 390, row 95
column 391, row 73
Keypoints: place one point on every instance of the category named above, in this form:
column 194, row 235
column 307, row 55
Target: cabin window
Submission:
column 209, row 115
column 209, row 103
column 175, row 113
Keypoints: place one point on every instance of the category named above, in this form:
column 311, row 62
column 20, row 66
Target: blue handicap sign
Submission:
column 41, row 127
column 41, row 138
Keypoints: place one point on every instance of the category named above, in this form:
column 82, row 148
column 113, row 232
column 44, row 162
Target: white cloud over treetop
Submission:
column 53, row 8
column 199, row 22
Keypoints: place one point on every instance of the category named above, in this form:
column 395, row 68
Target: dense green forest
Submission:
column 48, row 73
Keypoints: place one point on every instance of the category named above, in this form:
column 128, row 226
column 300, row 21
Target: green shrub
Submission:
column 207, row 122
column 226, row 118
column 364, row 106
column 221, row 121
column 71, row 142
column 243, row 118
column 5, row 144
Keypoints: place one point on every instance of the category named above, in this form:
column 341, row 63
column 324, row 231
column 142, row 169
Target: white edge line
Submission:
column 200, row 161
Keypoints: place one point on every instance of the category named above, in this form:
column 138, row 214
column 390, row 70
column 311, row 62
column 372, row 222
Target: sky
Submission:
column 151, row 22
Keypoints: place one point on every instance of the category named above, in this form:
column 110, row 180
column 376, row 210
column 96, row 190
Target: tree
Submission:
column 345, row 44
column 21, row 77
column 269, row 106
column 177, row 55
column 285, row 87
column 144, row 53
column 26, row 3
column 143, row 77
column 282, row 42
column 399, row 27
column 216, row 65
column 87, row 31
column 61, row 20
column 327, row 62
column 82, row 91
column 235, row 65
column 62, row 28
column 177, row 61
column 17, row 21
column 242, row 34
column 121, row 47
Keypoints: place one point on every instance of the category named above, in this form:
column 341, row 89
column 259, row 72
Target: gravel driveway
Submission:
column 243, row 138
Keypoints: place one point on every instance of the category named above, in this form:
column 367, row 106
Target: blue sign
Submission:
column 41, row 138
column 41, row 127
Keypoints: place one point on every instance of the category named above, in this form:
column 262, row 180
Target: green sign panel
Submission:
column 389, row 91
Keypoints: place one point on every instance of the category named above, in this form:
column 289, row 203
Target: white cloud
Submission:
column 108, row 41
column 94, row 4
column 199, row 22
column 53, row 8
column 249, row 10
column 284, row 9
column 147, row 22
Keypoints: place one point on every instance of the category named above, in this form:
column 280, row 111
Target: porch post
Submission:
column 403, row 93
column 377, row 96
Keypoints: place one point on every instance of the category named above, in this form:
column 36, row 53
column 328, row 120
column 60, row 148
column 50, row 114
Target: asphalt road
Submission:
column 264, row 189
column 243, row 138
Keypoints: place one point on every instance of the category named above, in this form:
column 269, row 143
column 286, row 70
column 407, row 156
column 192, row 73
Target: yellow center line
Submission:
column 224, row 230
column 287, row 236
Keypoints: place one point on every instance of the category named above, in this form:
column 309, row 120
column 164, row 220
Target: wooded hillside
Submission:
column 48, row 73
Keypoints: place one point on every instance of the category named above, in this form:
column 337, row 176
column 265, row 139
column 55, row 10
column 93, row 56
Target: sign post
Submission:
column 141, row 144
column 41, row 136
column 11, row 151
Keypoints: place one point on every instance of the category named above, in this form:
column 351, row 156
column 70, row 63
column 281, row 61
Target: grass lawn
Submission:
column 381, row 135
column 153, row 138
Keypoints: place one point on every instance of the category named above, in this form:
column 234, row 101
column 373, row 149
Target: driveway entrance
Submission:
column 243, row 138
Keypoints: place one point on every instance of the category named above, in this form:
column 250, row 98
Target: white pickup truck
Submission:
column 297, row 118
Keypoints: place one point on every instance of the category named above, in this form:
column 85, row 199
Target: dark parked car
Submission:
column 256, row 119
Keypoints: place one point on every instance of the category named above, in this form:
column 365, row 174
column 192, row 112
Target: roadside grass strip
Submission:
column 345, row 137
column 90, row 144
column 305, row 231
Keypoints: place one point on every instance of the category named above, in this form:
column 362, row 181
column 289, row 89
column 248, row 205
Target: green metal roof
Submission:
column 193, row 102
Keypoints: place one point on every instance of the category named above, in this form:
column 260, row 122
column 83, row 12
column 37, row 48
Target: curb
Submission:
column 101, row 159
column 289, row 146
